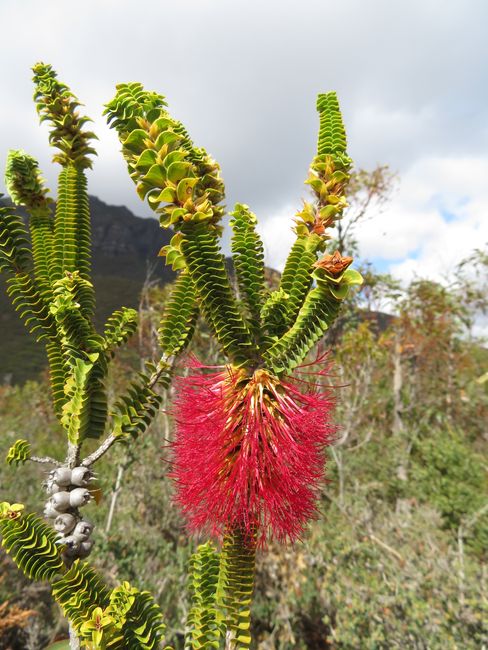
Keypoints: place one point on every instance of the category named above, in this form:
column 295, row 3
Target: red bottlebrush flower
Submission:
column 249, row 451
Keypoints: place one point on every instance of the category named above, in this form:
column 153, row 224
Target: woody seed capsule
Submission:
column 71, row 545
column 79, row 497
column 65, row 523
column 61, row 476
column 82, row 530
column 80, row 476
column 85, row 548
column 50, row 511
column 52, row 487
column 61, row 500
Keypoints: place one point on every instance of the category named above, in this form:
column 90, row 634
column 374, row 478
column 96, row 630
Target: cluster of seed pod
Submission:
column 67, row 489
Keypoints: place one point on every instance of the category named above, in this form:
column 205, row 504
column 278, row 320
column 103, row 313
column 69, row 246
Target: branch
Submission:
column 45, row 460
column 101, row 451
column 369, row 535
column 162, row 366
column 388, row 548
column 465, row 526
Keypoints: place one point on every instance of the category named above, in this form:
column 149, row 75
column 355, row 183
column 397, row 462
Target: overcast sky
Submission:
column 243, row 76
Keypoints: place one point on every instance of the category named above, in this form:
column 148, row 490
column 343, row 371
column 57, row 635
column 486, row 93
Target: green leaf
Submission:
column 15, row 256
column 136, row 141
column 57, row 105
column 168, row 195
column 184, row 191
column 119, row 327
column 179, row 170
column 319, row 310
column 352, row 277
column 19, row 452
column 156, row 176
column 32, row 546
column 174, row 156
column 72, row 234
column 178, row 322
column 75, row 417
column 206, row 266
column 134, row 411
column 248, row 258
column 297, row 277
column 235, row 587
column 57, row 374
column 205, row 620
column 78, row 592
column 146, row 160
column 132, row 106
column 332, row 135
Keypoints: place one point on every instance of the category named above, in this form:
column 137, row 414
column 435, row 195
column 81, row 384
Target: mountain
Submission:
column 125, row 248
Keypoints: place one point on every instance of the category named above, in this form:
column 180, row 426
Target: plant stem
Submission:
column 115, row 494
column 73, row 456
column 47, row 460
column 164, row 363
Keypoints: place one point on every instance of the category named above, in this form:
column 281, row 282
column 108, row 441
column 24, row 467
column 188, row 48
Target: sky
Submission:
column 243, row 76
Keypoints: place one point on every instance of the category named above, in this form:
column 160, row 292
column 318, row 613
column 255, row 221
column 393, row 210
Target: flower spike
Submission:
column 250, row 451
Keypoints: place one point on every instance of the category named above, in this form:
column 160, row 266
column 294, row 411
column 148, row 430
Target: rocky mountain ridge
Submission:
column 124, row 250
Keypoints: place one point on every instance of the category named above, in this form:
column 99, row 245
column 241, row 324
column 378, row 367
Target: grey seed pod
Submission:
column 79, row 497
column 61, row 500
column 85, row 548
column 62, row 476
column 50, row 511
column 52, row 487
column 80, row 476
column 83, row 530
column 71, row 545
column 65, row 523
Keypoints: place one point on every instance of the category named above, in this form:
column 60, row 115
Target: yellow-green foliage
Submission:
column 18, row 453
column 132, row 618
column 56, row 104
column 236, row 584
column 30, row 542
column 180, row 315
column 79, row 591
column 182, row 184
column 134, row 410
column 49, row 283
column 248, row 258
column 124, row 618
column 206, row 267
column 205, row 620
column 221, row 588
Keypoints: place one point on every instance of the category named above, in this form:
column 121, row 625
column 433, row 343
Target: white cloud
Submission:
column 437, row 218
column 243, row 76
column 278, row 236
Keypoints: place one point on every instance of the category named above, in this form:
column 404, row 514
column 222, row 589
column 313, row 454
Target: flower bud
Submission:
column 61, row 476
column 65, row 523
column 79, row 497
column 82, row 530
column 80, row 476
column 61, row 500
